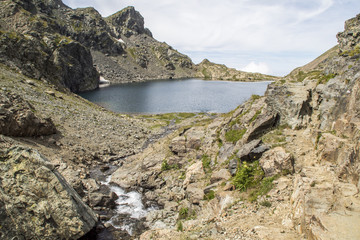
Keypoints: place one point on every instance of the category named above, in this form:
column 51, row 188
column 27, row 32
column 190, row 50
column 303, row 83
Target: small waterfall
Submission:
column 129, row 209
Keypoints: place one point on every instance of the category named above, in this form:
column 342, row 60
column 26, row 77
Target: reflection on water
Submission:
column 164, row 96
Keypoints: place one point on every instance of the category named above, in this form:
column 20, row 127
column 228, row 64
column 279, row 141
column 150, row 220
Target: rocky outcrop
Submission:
column 293, row 154
column 76, row 64
column 292, row 102
column 36, row 201
column 17, row 118
column 263, row 123
column 61, row 61
column 325, row 187
column 209, row 70
column 319, row 202
column 277, row 161
column 33, row 41
column 128, row 22
column 87, row 26
column 350, row 38
column 249, row 152
column 310, row 122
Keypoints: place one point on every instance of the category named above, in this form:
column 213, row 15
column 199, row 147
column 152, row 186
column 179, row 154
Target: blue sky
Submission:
column 267, row 36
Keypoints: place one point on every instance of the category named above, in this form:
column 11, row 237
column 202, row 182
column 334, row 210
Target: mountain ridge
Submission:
column 117, row 47
column 285, row 165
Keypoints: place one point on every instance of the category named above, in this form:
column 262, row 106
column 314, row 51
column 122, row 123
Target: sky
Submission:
column 266, row 36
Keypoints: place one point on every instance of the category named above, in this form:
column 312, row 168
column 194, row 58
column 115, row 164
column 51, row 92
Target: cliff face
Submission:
column 33, row 41
column 322, row 98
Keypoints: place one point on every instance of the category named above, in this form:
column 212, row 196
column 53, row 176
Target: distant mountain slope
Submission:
column 72, row 47
column 314, row 66
column 209, row 70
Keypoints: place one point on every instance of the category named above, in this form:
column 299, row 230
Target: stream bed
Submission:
column 123, row 218
column 130, row 209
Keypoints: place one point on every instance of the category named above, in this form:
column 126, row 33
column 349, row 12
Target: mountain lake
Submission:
column 185, row 95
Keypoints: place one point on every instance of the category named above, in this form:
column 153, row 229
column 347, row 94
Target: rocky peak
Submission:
column 350, row 37
column 128, row 22
column 41, row 6
column 205, row 61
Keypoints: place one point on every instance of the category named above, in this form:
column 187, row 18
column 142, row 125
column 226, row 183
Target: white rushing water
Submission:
column 128, row 203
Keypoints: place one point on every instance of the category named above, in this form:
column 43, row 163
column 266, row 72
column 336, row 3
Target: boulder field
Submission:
column 280, row 166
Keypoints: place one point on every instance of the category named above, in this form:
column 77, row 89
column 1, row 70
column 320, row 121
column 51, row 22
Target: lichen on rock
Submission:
column 35, row 200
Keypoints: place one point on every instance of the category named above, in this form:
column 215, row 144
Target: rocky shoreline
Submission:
column 280, row 166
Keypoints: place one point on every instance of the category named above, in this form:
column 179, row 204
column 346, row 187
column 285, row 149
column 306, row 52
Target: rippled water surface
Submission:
column 164, row 96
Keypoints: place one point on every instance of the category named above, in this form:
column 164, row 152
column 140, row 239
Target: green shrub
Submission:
column 206, row 163
column 265, row 185
column 179, row 226
column 210, row 195
column 248, row 175
column 234, row 135
column 255, row 97
column 255, row 116
column 351, row 53
column 182, row 176
column 165, row 166
column 325, row 78
column 265, row 203
column 183, row 212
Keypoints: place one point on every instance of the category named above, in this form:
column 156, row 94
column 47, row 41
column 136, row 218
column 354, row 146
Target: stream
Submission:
column 129, row 208
column 126, row 219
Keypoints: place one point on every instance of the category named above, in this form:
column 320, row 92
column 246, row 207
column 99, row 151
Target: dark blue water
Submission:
column 164, row 96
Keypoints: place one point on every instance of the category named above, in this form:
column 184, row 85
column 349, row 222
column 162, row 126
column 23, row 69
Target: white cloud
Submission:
column 260, row 67
column 257, row 26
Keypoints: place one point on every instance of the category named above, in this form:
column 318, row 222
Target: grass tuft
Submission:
column 234, row 135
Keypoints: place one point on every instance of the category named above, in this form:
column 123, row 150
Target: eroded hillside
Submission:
column 280, row 166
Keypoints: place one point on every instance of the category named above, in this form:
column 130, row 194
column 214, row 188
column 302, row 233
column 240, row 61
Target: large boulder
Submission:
column 194, row 173
column 178, row 146
column 193, row 138
column 36, row 202
column 17, row 118
column 277, row 161
column 249, row 152
column 194, row 193
column 221, row 175
column 293, row 102
column 318, row 204
column 262, row 124
column 252, row 151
